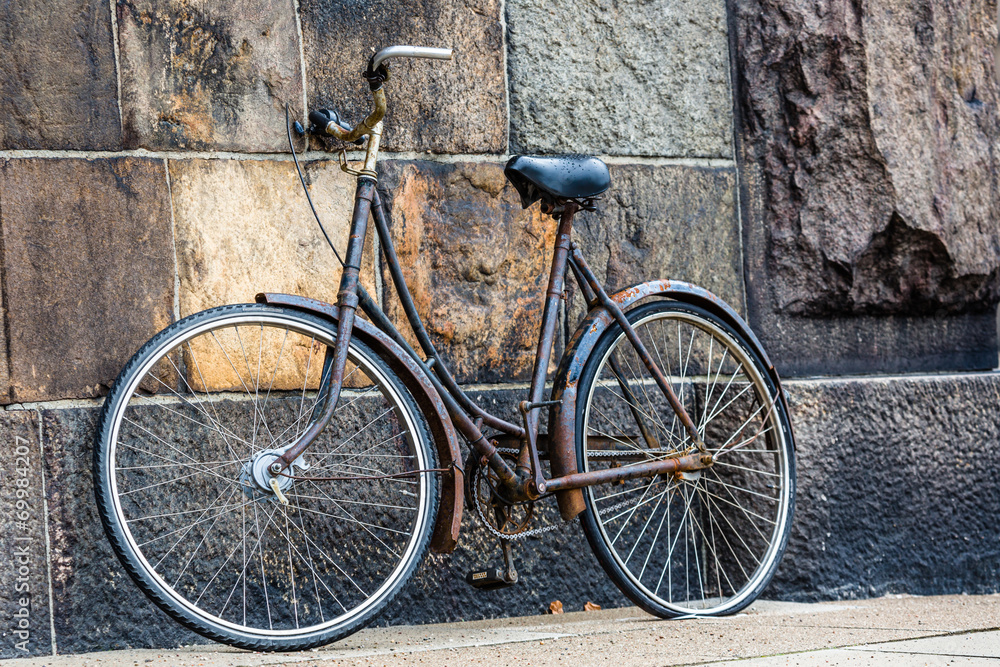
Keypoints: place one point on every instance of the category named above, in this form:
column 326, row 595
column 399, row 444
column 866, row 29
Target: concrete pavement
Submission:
column 892, row 631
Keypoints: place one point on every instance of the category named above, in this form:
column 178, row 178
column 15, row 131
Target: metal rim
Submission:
column 767, row 563
column 374, row 372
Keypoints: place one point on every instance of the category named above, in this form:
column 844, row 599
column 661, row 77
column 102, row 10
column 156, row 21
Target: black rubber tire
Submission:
column 154, row 588
column 634, row 587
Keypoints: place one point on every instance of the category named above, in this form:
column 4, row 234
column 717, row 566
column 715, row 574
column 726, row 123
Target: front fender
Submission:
column 562, row 417
column 449, row 519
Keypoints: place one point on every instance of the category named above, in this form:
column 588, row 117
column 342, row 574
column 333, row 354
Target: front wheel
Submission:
column 704, row 542
column 182, row 483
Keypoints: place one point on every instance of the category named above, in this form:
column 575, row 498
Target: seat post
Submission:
column 546, row 338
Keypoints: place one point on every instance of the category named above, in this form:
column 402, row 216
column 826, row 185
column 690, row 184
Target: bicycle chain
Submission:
column 479, row 508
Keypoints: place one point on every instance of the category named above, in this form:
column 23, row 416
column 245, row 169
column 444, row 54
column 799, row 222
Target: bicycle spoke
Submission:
column 706, row 542
column 656, row 537
column 211, row 404
column 649, row 403
column 747, row 513
column 667, row 369
column 328, row 558
column 745, row 490
column 645, row 526
column 670, row 552
column 193, row 496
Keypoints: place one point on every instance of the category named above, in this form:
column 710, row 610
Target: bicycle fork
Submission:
column 332, row 379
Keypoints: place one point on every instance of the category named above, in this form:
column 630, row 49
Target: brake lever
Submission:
column 319, row 119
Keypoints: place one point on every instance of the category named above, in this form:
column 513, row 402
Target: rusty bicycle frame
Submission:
column 444, row 403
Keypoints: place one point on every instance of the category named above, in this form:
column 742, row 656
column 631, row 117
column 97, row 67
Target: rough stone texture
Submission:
column 869, row 139
column 802, row 346
column 210, row 76
column 620, row 78
column 96, row 604
column 664, row 222
column 439, row 106
column 88, row 270
column 897, row 488
column 897, row 485
column 24, row 581
column 244, row 226
column 477, row 264
column 57, row 74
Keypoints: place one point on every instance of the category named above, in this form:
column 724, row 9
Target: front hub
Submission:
column 255, row 477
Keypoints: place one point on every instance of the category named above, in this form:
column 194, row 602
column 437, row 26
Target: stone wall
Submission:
column 828, row 168
column 868, row 143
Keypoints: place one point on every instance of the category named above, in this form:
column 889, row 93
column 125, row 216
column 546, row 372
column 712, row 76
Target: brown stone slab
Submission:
column 476, row 264
column 24, row 572
column 244, row 227
column 210, row 76
column 665, row 222
column 440, row 106
column 57, row 74
column 89, row 269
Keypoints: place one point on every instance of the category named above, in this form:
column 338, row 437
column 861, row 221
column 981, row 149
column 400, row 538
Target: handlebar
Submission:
column 376, row 74
column 407, row 52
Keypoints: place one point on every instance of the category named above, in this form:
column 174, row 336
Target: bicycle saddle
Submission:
column 557, row 178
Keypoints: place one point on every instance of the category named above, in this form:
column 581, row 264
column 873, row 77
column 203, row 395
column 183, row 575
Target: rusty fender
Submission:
column 562, row 417
column 449, row 519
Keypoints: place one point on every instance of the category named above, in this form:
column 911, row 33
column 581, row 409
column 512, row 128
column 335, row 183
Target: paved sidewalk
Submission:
column 892, row 631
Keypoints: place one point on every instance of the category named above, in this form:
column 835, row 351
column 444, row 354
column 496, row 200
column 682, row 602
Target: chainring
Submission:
column 504, row 519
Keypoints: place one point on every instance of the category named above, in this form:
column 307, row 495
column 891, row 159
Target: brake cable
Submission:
column 302, row 179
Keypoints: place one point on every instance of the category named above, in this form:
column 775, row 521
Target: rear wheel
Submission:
column 705, row 542
column 183, row 488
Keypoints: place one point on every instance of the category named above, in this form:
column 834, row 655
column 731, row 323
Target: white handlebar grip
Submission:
column 409, row 52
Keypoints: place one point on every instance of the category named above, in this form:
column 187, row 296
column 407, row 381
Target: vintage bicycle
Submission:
column 271, row 474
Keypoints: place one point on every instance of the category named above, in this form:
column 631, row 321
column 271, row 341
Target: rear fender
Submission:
column 449, row 520
column 562, row 417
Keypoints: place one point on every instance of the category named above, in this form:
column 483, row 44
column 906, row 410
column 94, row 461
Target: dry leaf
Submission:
column 590, row 606
column 555, row 607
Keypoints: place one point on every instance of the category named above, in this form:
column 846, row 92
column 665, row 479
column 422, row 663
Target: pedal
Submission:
column 495, row 577
column 489, row 579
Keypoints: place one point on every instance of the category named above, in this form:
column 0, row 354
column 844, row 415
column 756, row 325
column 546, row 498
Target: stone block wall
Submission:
column 829, row 170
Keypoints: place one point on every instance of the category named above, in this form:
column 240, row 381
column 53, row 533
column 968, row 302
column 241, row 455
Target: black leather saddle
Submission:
column 557, row 179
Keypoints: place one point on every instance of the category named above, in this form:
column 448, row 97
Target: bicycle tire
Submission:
column 733, row 518
column 317, row 569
